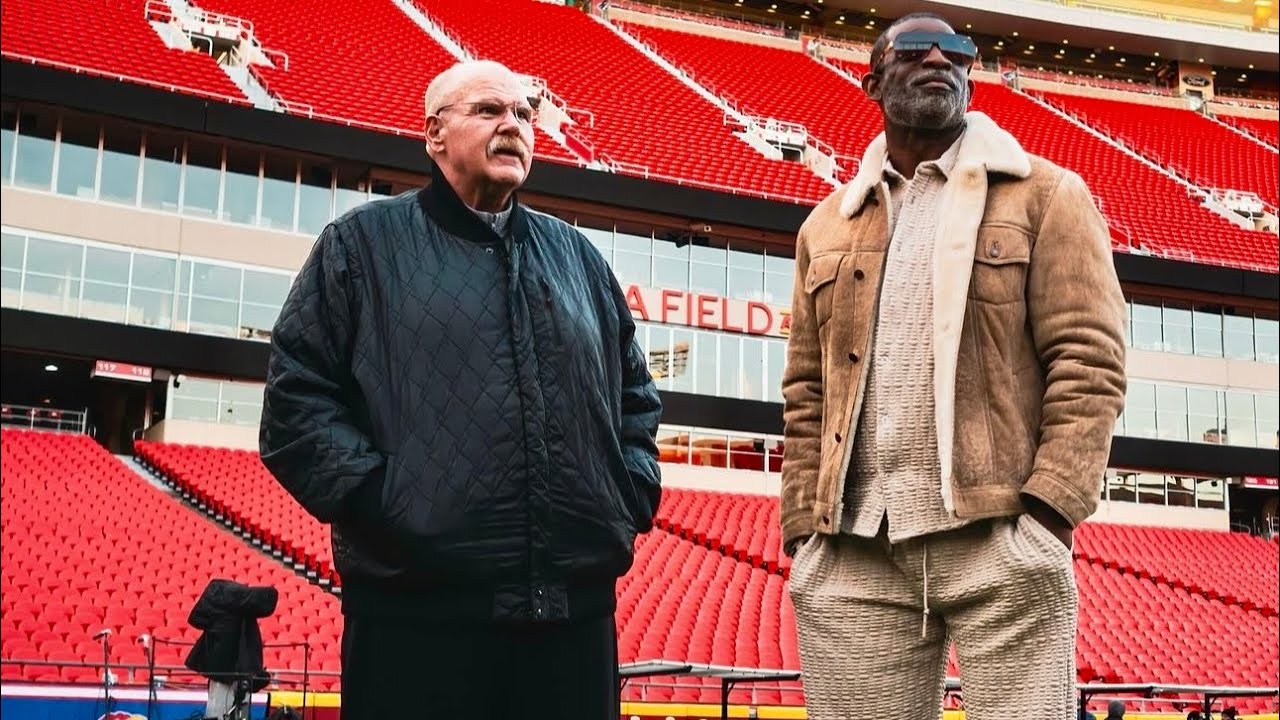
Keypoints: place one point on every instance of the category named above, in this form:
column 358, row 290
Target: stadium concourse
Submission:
column 167, row 165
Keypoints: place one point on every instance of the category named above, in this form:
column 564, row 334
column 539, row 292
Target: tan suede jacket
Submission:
column 1028, row 335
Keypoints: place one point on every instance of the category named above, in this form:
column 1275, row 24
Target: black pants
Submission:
column 395, row 667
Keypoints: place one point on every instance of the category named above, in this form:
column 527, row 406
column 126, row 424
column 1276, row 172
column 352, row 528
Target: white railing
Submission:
column 544, row 91
column 43, row 418
column 697, row 13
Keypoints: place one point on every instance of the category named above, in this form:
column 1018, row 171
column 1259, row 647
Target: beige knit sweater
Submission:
column 894, row 470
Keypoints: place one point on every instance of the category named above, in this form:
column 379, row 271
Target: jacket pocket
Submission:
column 1000, row 261
column 553, row 315
column 819, row 284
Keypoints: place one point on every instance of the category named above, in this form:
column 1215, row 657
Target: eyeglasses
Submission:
column 525, row 113
column 915, row 46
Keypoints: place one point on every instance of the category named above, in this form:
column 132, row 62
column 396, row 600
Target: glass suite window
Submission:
column 1145, row 324
column 779, row 276
column 776, row 357
column 162, row 172
column 670, row 264
column 1140, row 410
column 264, row 294
column 1204, row 415
column 752, row 383
column 602, row 239
column 53, row 277
column 240, row 193
column 279, row 191
column 1237, row 336
column 1267, row 339
column 78, row 158
column 1267, row 409
column 13, row 250
column 37, row 131
column 746, row 275
column 707, row 270
column 8, row 140
column 1171, row 412
column 215, row 299
column 1177, row 330
column 315, row 197
column 633, row 258
column 1211, row 493
column 353, row 189
column 202, row 176
column 1207, row 326
column 121, row 160
column 151, row 292
column 106, row 284
column 1241, row 428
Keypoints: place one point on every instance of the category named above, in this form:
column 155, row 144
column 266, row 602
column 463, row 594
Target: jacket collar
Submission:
column 984, row 144
column 443, row 206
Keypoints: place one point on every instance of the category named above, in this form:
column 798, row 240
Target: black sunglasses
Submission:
column 914, row 46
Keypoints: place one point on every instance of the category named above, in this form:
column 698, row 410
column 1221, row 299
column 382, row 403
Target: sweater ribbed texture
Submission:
column 894, row 470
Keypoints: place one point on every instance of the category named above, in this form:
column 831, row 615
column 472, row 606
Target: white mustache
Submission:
column 508, row 146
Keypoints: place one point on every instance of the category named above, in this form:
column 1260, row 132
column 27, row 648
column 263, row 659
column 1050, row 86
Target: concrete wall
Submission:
column 152, row 230
column 191, row 432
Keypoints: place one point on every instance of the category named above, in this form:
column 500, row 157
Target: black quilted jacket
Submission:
column 472, row 414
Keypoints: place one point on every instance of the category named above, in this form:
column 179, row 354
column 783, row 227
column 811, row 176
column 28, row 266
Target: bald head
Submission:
column 479, row 131
column 446, row 87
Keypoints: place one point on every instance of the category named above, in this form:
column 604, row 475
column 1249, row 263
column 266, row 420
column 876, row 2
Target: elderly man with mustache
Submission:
column 954, row 371
column 456, row 387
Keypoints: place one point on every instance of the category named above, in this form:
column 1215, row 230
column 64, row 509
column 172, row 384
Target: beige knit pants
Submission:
column 1002, row 590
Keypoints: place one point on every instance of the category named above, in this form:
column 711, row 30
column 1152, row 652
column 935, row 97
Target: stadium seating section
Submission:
column 109, row 37
column 1200, row 607
column 796, row 89
column 642, row 114
column 1208, row 154
column 88, row 544
column 1144, row 207
column 1267, row 131
column 644, row 120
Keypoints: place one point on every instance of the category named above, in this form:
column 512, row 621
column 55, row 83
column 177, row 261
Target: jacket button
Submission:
column 858, row 274
column 853, row 357
column 995, row 250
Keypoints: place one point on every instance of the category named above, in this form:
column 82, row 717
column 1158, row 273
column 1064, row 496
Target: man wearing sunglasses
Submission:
column 456, row 387
column 954, row 371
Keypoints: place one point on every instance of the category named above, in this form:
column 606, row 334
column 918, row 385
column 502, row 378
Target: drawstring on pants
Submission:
column 924, row 621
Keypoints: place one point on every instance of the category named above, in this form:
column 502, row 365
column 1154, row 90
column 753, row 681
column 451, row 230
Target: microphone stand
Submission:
column 106, row 672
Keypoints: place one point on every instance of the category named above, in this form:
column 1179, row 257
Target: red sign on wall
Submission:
column 708, row 312
column 1262, row 482
column 120, row 371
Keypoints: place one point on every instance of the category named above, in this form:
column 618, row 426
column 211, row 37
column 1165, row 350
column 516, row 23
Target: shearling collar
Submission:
column 984, row 144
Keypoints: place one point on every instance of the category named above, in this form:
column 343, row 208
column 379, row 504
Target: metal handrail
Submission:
column 44, row 418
